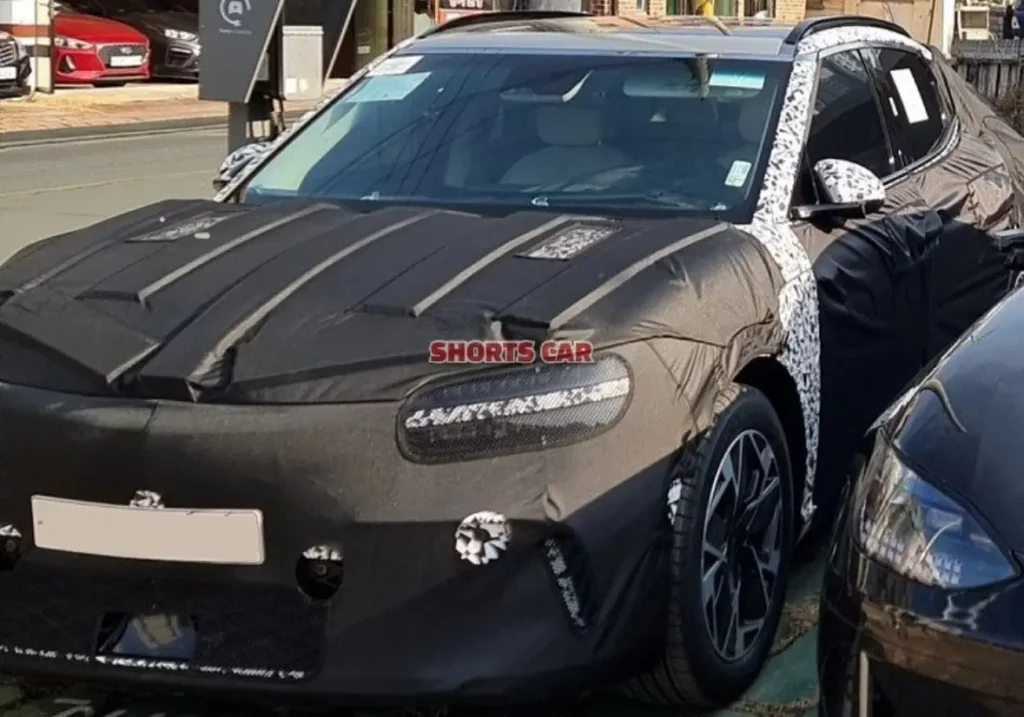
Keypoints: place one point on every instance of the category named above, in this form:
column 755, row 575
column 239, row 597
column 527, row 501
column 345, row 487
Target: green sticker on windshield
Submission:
column 386, row 88
column 737, row 80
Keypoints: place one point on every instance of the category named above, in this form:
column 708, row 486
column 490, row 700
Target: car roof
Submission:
column 610, row 34
column 555, row 32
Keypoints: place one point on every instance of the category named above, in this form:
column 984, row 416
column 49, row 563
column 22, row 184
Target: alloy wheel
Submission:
column 742, row 545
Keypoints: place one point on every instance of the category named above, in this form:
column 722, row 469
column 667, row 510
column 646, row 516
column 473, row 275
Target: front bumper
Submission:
column 178, row 61
column 85, row 67
column 912, row 649
column 17, row 84
column 579, row 597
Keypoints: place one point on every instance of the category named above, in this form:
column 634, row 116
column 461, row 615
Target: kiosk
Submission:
column 259, row 53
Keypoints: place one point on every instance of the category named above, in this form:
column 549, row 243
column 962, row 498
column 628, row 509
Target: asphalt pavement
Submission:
column 49, row 189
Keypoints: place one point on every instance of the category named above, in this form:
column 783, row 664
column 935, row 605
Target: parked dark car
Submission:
column 171, row 27
column 227, row 413
column 924, row 592
column 15, row 67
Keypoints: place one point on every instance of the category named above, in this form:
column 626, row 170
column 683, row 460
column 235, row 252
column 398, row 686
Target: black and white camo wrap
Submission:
column 154, row 665
column 239, row 159
column 840, row 36
column 483, row 537
column 574, row 240
column 845, row 182
column 566, row 585
column 325, row 553
column 798, row 300
column 146, row 499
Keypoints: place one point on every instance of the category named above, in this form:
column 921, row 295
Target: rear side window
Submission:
column 846, row 123
column 911, row 101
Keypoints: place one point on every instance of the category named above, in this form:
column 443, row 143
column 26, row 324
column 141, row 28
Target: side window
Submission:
column 846, row 123
column 911, row 101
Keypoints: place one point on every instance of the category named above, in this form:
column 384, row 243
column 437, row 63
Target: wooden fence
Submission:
column 994, row 67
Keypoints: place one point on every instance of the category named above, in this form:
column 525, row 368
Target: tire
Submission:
column 693, row 671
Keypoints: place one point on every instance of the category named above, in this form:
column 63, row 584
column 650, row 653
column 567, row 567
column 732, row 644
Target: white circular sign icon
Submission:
column 233, row 11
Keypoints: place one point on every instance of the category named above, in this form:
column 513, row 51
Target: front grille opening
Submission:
column 160, row 636
column 320, row 571
column 7, row 54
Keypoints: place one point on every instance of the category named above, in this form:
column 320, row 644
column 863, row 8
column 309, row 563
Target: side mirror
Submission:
column 238, row 160
column 849, row 190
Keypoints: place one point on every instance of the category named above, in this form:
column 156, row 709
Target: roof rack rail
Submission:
column 502, row 16
column 818, row 24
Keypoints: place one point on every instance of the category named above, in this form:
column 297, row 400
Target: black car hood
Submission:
column 983, row 379
column 157, row 22
column 306, row 301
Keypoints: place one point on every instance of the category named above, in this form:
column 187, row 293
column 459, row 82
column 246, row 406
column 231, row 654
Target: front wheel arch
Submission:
column 773, row 380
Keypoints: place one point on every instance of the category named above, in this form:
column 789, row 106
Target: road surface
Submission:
column 46, row 190
column 49, row 189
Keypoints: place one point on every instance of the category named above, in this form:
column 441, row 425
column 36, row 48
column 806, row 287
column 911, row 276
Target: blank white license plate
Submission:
column 126, row 61
column 180, row 535
column 8, row 73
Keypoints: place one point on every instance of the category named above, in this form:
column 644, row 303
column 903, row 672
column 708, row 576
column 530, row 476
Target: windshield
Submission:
column 559, row 131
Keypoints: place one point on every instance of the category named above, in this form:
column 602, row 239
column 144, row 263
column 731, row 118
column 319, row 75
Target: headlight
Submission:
column 514, row 410
column 179, row 35
column 71, row 43
column 920, row 532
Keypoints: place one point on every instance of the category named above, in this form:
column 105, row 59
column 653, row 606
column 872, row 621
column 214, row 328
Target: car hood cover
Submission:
column 308, row 302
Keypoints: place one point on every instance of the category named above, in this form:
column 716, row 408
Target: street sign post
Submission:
column 235, row 36
column 336, row 21
column 240, row 41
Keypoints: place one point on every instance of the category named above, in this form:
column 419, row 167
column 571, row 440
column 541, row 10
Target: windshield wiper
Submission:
column 657, row 197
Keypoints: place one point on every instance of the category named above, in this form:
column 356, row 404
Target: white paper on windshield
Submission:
column 395, row 65
column 388, row 88
column 737, row 173
column 736, row 80
column 910, row 95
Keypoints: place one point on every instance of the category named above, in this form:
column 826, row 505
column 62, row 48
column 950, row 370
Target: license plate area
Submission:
column 126, row 61
column 8, row 73
column 179, row 535
column 166, row 637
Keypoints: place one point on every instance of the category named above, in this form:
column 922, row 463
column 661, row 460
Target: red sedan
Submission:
column 95, row 51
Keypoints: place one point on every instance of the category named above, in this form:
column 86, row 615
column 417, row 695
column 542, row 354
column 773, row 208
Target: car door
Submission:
column 873, row 280
column 964, row 181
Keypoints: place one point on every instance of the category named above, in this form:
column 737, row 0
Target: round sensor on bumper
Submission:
column 319, row 572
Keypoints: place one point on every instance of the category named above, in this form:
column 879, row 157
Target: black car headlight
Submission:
column 909, row 525
column 514, row 410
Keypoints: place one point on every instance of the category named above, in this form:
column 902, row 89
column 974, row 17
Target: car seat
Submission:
column 751, row 121
column 574, row 151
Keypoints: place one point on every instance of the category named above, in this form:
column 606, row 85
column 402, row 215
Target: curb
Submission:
column 31, row 138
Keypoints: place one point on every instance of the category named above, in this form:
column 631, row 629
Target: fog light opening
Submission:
column 320, row 572
column 10, row 547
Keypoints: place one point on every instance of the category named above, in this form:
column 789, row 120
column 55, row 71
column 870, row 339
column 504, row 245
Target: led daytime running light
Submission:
column 522, row 406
